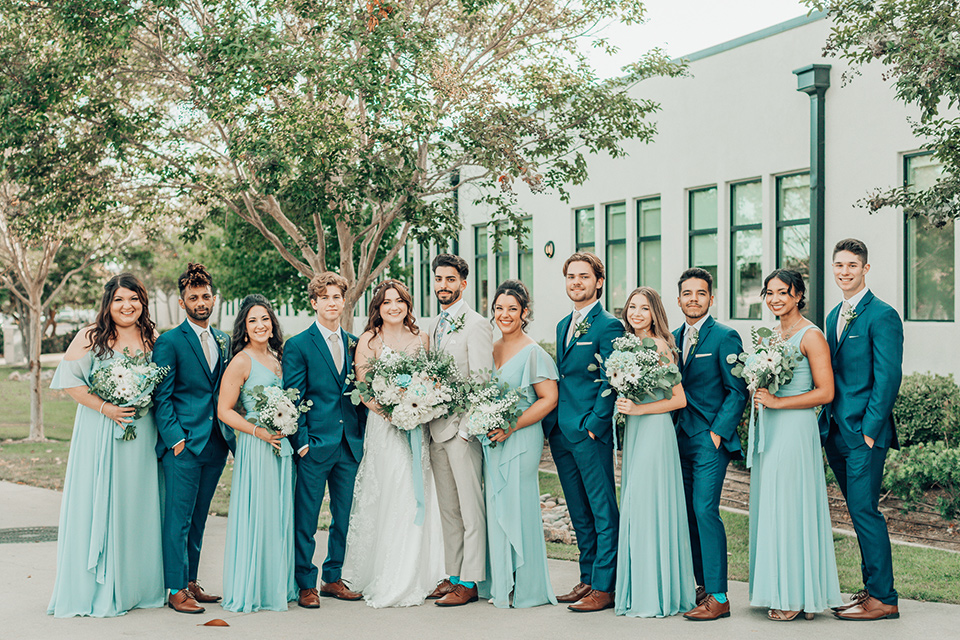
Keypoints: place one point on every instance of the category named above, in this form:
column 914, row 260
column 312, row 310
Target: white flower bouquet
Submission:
column 772, row 363
column 493, row 405
column 128, row 381
column 636, row 370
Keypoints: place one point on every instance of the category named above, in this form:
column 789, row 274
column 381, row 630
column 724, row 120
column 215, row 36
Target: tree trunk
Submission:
column 33, row 356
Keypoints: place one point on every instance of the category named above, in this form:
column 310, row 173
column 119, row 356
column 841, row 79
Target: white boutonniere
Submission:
column 351, row 344
column 456, row 324
column 694, row 339
column 222, row 342
column 848, row 317
column 581, row 329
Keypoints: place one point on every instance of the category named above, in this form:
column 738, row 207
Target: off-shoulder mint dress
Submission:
column 792, row 562
column 654, row 561
column 517, row 553
column 109, row 554
column 258, row 558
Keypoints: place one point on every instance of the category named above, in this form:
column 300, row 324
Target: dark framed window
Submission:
column 648, row 243
column 746, row 250
column 585, row 226
column 502, row 255
column 481, row 280
column 793, row 224
column 703, row 243
column 426, row 280
column 525, row 255
column 930, row 258
column 615, row 286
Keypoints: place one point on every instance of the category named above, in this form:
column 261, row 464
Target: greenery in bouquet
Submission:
column 772, row 363
column 492, row 405
column 128, row 381
column 278, row 409
column 636, row 370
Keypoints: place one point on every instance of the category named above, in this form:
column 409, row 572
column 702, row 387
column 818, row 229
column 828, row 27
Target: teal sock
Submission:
column 174, row 592
column 468, row 585
column 455, row 579
column 719, row 597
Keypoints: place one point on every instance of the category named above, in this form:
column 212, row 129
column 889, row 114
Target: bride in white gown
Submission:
column 391, row 560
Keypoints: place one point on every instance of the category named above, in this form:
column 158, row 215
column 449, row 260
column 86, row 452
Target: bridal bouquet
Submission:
column 493, row 405
column 772, row 363
column 128, row 381
column 278, row 410
column 411, row 389
column 637, row 370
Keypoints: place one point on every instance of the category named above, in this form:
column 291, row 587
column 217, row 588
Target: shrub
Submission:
column 915, row 469
column 928, row 409
column 57, row 343
column 550, row 347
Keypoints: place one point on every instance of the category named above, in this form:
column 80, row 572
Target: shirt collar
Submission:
column 326, row 333
column 855, row 300
column 587, row 309
column 698, row 325
column 454, row 310
column 198, row 329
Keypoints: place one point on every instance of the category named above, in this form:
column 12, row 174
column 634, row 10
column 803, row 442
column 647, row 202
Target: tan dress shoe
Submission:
column 183, row 602
column 855, row 599
column 576, row 594
column 338, row 590
column 198, row 594
column 442, row 589
column 593, row 601
column 870, row 609
column 709, row 609
column 460, row 596
column 309, row 599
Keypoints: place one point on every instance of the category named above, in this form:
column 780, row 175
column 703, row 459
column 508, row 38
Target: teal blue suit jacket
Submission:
column 582, row 406
column 185, row 401
column 715, row 397
column 867, row 369
column 308, row 367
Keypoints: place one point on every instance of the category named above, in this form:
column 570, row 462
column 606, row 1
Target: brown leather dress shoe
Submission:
column 593, row 601
column 309, row 599
column 183, row 602
column 338, row 590
column 442, row 589
column 576, row 594
column 855, row 599
column 460, row 595
column 870, row 609
column 198, row 594
column 701, row 594
column 709, row 609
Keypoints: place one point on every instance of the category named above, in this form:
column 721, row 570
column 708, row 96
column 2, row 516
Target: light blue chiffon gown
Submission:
column 792, row 562
column 517, row 553
column 654, row 561
column 258, row 559
column 109, row 554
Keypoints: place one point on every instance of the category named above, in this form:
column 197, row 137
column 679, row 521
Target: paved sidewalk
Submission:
column 27, row 572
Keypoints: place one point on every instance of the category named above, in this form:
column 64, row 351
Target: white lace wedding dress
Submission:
column 389, row 559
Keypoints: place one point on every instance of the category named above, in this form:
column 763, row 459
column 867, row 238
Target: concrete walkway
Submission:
column 27, row 572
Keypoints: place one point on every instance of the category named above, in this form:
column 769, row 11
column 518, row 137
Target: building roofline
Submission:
column 773, row 30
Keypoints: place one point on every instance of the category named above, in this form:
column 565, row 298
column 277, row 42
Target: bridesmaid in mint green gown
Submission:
column 517, row 553
column 258, row 557
column 792, row 563
column 654, row 560
column 109, row 557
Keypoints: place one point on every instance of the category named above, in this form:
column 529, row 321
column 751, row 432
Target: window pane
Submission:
column 931, row 274
column 923, row 171
column 649, row 260
column 615, row 286
column 793, row 197
column 747, row 275
column 747, row 203
column 617, row 221
column 481, row 242
column 525, row 256
column 481, row 278
column 648, row 218
column 426, row 281
column 795, row 250
column 703, row 253
column 703, row 209
column 585, row 229
column 503, row 267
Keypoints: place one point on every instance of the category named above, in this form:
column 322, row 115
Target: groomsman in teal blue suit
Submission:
column 192, row 443
column 866, row 343
column 707, row 435
column 329, row 441
column 580, row 431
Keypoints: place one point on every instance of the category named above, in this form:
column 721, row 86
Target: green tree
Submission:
column 340, row 123
column 918, row 41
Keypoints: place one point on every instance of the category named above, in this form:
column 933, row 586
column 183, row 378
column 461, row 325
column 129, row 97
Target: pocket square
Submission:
column 852, row 337
column 583, row 344
column 702, row 355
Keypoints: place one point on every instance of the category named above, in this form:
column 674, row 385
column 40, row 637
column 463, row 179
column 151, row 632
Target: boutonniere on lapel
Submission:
column 581, row 329
column 351, row 346
column 222, row 342
column 848, row 316
column 694, row 339
column 456, row 324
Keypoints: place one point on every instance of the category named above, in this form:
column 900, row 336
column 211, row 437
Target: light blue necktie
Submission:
column 443, row 324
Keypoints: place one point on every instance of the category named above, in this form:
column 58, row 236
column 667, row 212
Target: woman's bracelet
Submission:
column 100, row 410
column 255, row 427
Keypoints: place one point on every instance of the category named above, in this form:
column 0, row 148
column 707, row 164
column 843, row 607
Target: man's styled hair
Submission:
column 854, row 246
column 196, row 275
column 695, row 272
column 595, row 263
column 450, row 260
column 318, row 285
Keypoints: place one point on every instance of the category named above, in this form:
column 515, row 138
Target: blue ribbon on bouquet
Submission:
column 416, row 450
column 755, row 437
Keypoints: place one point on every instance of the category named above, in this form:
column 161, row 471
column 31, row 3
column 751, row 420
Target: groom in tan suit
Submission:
column 457, row 459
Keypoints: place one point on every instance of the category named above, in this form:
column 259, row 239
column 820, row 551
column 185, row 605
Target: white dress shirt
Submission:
column 326, row 333
column 214, row 346
column 854, row 301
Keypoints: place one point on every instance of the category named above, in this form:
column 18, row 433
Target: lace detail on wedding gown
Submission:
column 389, row 559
